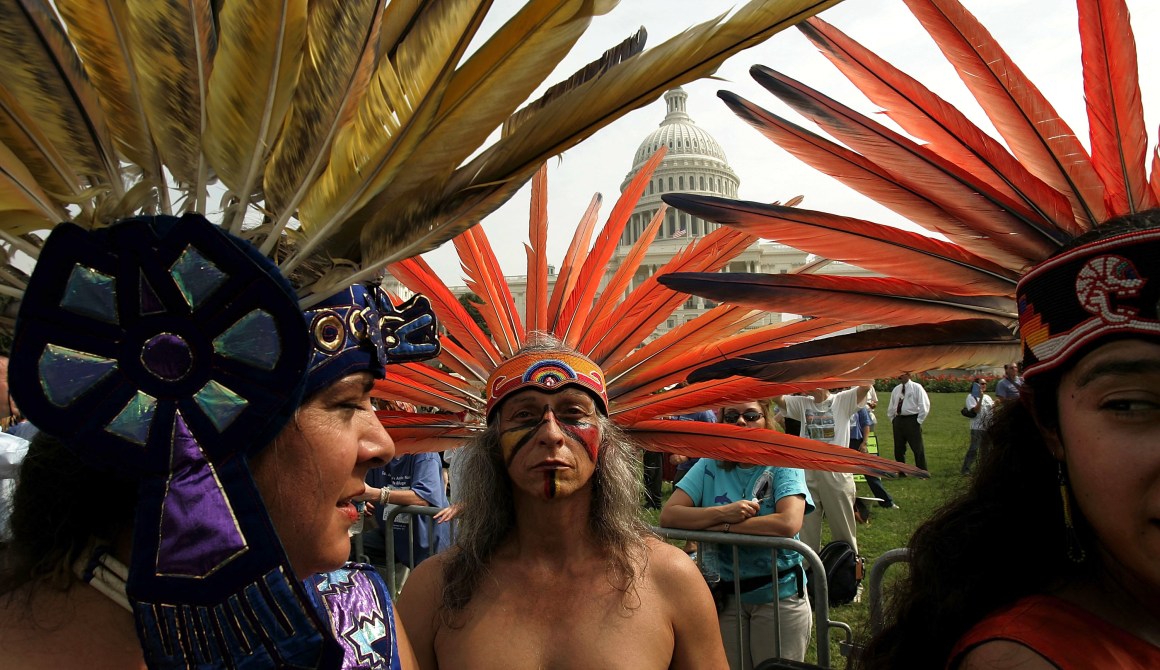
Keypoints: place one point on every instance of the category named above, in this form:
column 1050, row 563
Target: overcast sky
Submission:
column 1041, row 36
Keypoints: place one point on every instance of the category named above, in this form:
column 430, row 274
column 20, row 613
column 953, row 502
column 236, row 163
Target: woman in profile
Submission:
column 1052, row 558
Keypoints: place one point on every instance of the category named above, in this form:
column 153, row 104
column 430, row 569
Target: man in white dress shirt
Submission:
column 908, row 408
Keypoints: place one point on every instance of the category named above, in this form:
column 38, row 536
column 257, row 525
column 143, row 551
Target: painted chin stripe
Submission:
column 550, row 484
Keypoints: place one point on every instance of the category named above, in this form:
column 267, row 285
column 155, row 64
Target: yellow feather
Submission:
column 341, row 38
column 578, row 113
column 23, row 206
column 254, row 72
column 43, row 73
column 395, row 116
column 99, row 31
column 483, row 93
column 172, row 44
column 27, row 140
column 428, row 217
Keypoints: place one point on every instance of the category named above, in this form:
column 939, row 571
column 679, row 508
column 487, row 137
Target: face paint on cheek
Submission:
column 514, row 439
column 587, row 434
column 550, row 484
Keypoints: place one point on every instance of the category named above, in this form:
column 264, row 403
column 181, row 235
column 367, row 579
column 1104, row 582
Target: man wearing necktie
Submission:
column 908, row 408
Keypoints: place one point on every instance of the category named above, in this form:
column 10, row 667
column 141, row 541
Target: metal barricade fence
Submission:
column 415, row 511
column 817, row 586
column 877, row 572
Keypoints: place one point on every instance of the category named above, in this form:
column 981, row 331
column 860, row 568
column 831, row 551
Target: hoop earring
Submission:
column 1075, row 550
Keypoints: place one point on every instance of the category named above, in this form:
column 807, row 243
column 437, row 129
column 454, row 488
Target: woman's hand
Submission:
column 738, row 511
column 448, row 513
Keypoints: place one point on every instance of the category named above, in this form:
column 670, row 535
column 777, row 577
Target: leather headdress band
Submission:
column 1105, row 288
column 545, row 371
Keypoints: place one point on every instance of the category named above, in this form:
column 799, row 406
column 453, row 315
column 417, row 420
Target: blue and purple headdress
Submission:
column 166, row 352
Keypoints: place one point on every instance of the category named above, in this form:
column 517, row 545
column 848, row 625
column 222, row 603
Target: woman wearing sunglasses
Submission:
column 753, row 500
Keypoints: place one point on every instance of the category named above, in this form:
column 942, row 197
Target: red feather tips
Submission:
column 877, row 353
column 762, row 447
column 891, row 251
column 877, row 300
column 415, row 433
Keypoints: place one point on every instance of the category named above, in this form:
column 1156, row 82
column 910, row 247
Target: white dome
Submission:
column 679, row 133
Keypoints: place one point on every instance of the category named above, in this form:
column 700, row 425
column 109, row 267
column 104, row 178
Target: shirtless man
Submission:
column 553, row 566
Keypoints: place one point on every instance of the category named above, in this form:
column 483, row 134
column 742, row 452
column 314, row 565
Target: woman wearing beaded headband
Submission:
column 1049, row 559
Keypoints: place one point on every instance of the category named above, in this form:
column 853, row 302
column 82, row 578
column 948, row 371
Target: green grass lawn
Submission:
column 946, row 434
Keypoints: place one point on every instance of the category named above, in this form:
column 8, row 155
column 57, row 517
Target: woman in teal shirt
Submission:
column 754, row 500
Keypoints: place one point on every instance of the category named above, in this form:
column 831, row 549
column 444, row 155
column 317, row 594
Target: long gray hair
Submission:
column 614, row 518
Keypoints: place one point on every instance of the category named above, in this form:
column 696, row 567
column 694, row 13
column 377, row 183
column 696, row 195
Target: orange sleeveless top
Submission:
column 1070, row 637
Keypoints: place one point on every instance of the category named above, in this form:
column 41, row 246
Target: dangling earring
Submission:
column 1075, row 550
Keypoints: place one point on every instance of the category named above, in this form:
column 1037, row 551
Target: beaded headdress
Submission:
column 1104, row 288
column 546, row 371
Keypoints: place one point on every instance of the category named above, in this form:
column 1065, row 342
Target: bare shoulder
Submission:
column 1003, row 655
column 418, row 608
column 670, row 565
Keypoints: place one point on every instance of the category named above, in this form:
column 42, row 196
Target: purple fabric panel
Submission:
column 363, row 630
column 167, row 356
column 198, row 529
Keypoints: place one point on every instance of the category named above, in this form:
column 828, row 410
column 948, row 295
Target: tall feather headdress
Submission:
column 339, row 141
column 1003, row 206
column 612, row 329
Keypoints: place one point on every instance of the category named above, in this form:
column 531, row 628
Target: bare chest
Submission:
column 558, row 624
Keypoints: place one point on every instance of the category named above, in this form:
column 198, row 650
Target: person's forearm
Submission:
column 395, row 497
column 775, row 525
column 691, row 518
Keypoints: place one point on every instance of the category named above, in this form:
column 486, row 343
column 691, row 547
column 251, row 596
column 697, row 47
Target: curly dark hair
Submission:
column 1000, row 540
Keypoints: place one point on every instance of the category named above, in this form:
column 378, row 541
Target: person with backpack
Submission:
column 754, row 500
column 978, row 409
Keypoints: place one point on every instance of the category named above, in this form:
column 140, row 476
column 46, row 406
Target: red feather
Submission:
column 983, row 210
column 877, row 353
column 536, row 310
column 1036, row 133
column 867, row 178
column 718, row 323
column 397, row 388
column 1115, row 112
column 949, row 132
column 726, row 442
column 574, row 320
column 877, row 300
column 884, row 249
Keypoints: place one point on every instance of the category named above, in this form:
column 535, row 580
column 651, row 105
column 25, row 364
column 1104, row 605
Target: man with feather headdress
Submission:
column 552, row 535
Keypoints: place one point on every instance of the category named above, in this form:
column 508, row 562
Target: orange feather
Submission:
column 486, row 279
column 416, row 275
column 574, row 320
column 569, row 273
column 613, row 292
column 712, row 394
column 415, row 433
